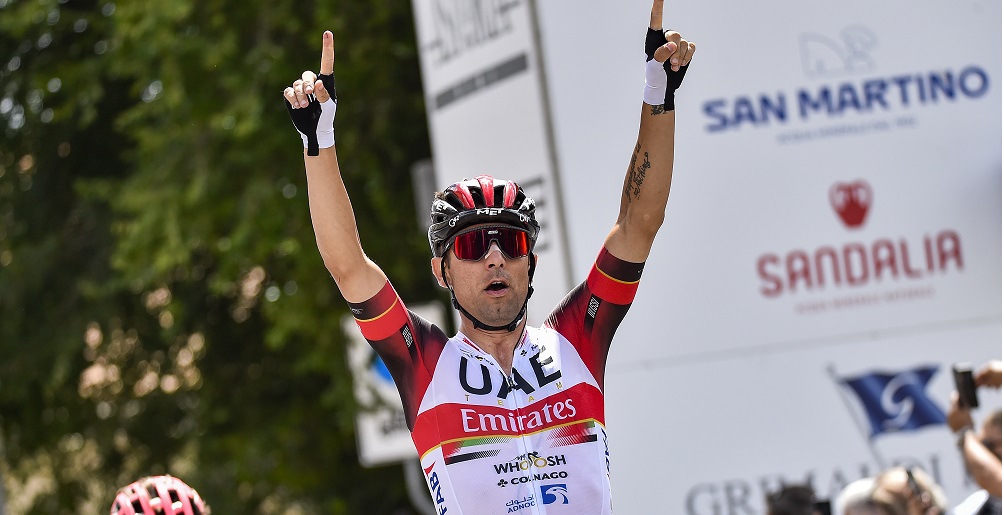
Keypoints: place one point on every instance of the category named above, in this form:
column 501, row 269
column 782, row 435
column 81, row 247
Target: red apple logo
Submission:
column 851, row 201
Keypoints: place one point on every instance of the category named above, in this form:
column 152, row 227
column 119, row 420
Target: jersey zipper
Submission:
column 536, row 509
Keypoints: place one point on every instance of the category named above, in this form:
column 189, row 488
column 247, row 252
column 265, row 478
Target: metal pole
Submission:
column 552, row 150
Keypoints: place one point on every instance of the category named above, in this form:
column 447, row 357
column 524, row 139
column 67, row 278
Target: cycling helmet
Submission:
column 158, row 495
column 466, row 203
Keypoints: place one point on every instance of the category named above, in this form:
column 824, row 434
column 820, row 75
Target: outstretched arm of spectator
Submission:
column 983, row 466
column 312, row 106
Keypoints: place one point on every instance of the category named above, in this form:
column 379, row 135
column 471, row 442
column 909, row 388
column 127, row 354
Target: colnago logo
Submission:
column 858, row 264
column 510, row 422
column 544, row 476
column 436, row 489
column 532, row 460
column 823, row 56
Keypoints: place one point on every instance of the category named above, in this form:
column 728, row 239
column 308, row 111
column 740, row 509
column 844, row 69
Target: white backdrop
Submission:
column 717, row 386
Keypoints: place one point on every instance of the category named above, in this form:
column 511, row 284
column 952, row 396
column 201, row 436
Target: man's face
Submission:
column 493, row 288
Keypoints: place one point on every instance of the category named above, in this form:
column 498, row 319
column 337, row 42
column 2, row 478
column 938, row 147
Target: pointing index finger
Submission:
column 655, row 23
column 328, row 54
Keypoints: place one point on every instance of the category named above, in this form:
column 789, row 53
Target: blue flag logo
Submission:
column 896, row 402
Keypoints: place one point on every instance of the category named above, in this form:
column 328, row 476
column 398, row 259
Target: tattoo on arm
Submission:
column 659, row 109
column 636, row 174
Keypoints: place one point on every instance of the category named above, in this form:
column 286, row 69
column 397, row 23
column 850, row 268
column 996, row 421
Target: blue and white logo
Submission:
column 896, row 401
column 556, row 493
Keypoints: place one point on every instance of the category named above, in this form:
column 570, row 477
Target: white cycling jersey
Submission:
column 529, row 442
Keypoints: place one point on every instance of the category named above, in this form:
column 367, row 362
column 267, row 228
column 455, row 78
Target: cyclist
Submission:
column 158, row 495
column 506, row 418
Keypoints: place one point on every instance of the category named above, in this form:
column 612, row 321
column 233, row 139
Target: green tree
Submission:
column 162, row 305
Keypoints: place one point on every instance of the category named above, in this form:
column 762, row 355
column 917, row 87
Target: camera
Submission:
column 965, row 385
column 822, row 506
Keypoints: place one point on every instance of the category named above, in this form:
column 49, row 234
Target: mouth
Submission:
column 497, row 288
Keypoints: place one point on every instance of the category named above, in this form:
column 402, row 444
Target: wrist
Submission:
column 656, row 83
column 960, row 435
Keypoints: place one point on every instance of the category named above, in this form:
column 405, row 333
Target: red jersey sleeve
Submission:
column 591, row 313
column 408, row 344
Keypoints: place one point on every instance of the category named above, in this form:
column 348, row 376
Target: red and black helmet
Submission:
column 158, row 495
column 466, row 203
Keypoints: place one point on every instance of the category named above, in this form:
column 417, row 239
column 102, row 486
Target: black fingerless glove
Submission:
column 661, row 82
column 316, row 122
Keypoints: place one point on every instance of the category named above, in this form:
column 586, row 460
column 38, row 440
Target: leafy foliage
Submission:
column 162, row 304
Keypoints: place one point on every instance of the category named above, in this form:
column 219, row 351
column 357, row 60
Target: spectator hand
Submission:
column 958, row 417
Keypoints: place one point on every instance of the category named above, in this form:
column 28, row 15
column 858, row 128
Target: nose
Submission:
column 494, row 257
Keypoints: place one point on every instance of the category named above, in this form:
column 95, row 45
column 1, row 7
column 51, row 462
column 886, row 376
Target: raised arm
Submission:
column 311, row 103
column 650, row 171
column 983, row 466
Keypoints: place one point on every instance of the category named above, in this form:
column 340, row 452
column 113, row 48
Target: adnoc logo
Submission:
column 556, row 493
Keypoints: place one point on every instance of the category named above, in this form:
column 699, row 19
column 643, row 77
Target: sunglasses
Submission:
column 473, row 244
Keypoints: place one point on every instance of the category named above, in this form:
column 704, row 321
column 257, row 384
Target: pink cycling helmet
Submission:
column 158, row 495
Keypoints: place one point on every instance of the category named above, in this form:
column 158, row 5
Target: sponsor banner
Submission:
column 731, row 430
column 832, row 243
column 381, row 430
column 835, row 215
column 849, row 184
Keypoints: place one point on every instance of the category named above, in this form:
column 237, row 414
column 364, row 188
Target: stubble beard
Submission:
column 503, row 313
column 499, row 312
